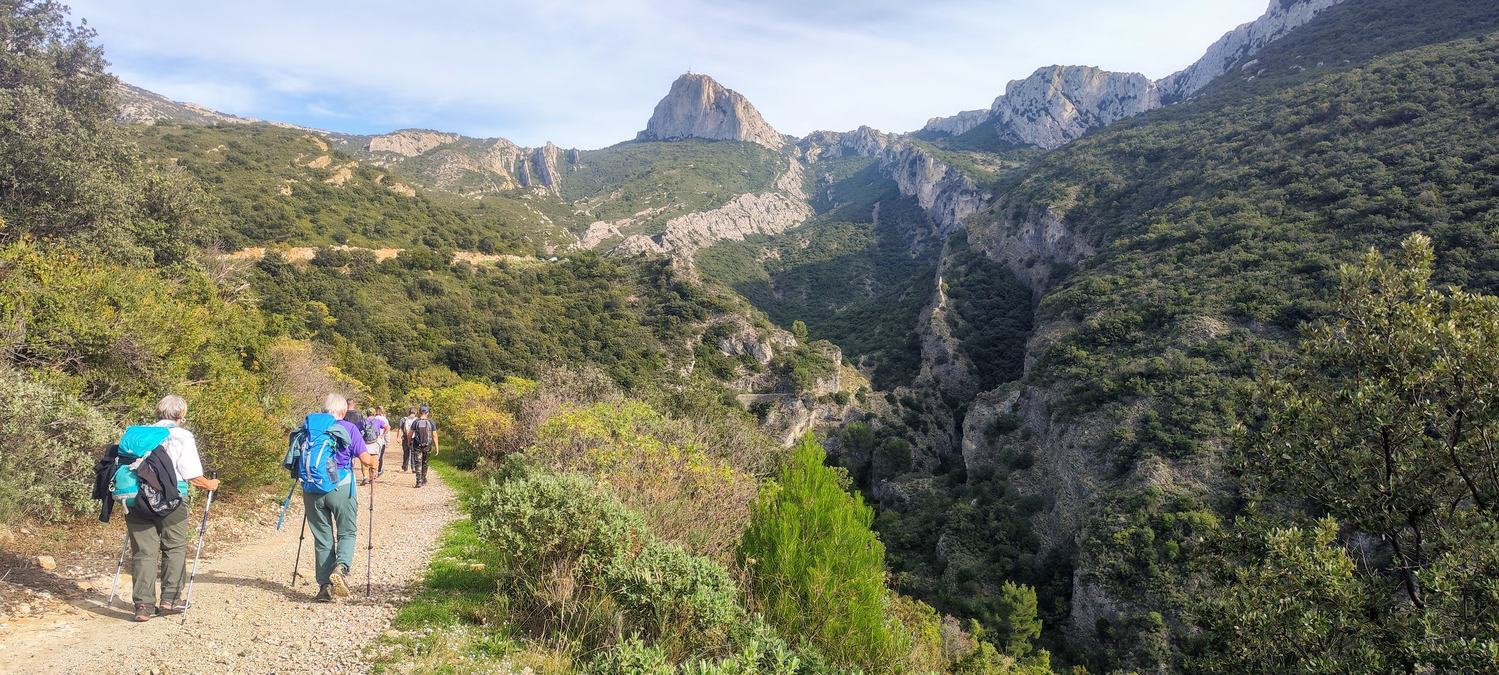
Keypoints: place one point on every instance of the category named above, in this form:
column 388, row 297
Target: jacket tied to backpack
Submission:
column 312, row 454
column 137, row 474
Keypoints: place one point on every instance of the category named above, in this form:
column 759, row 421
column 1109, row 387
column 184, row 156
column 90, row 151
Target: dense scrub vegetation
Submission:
column 667, row 179
column 1219, row 224
column 106, row 305
column 616, row 535
column 274, row 185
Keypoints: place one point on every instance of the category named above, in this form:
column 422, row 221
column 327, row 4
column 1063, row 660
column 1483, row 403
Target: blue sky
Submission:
column 586, row 73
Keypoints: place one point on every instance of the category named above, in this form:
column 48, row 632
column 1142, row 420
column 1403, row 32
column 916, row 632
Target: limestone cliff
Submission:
column 770, row 212
column 409, row 142
column 1241, row 43
column 1058, row 104
column 463, row 165
column 697, row 106
column 944, row 193
column 862, row 142
column 958, row 124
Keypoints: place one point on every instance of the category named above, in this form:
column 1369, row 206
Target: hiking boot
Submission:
column 340, row 587
column 143, row 612
column 324, row 593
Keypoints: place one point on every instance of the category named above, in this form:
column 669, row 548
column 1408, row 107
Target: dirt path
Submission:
column 245, row 617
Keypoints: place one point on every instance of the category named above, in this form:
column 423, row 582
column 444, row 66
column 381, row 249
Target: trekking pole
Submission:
column 119, row 566
column 297, row 564
column 369, row 555
column 286, row 504
column 187, row 600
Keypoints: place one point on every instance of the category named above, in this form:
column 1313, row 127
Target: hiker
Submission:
column 406, row 438
column 336, row 510
column 377, row 433
column 158, row 546
column 423, row 439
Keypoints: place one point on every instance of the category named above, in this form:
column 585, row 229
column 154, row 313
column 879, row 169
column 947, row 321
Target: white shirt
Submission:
column 183, row 449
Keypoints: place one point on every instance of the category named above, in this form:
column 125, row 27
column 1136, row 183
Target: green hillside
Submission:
column 285, row 186
column 854, row 282
column 1220, row 224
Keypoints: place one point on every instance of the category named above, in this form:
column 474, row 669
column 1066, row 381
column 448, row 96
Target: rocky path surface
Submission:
column 245, row 618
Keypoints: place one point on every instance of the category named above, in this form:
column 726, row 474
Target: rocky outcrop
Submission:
column 944, row 193
column 409, row 142
column 537, row 169
column 960, row 123
column 1035, row 243
column 1058, row 104
column 1281, row 18
column 862, row 142
column 770, row 212
column 699, row 107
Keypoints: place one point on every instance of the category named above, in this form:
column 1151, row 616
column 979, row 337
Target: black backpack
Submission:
column 421, row 433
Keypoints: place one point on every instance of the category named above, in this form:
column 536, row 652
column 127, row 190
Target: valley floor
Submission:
column 245, row 618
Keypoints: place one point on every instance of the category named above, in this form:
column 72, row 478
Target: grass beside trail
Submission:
column 456, row 624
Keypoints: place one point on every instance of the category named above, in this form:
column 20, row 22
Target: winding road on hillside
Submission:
column 245, row 618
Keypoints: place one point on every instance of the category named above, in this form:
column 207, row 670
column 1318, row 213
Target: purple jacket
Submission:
column 345, row 456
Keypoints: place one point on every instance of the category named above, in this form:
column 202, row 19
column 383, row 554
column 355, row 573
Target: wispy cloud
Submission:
column 587, row 72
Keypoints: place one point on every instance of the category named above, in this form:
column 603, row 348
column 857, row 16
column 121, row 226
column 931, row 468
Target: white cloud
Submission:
column 587, row 72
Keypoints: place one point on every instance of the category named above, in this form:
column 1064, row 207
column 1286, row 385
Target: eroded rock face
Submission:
column 1281, row 18
column 409, row 142
column 769, row 212
column 1058, row 104
column 699, row 107
column 944, row 193
column 862, row 142
column 1033, row 243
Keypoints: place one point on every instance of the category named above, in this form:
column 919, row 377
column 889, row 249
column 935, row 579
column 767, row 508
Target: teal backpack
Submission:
column 127, row 488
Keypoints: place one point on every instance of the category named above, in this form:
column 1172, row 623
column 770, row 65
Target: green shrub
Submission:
column 816, row 568
column 580, row 565
column 51, row 442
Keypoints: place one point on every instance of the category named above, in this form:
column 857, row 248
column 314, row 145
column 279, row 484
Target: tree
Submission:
column 1385, row 422
column 799, row 330
column 1019, row 625
column 817, row 569
column 65, row 169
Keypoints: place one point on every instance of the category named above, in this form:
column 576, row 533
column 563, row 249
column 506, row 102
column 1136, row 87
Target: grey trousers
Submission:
column 158, row 550
column 333, row 518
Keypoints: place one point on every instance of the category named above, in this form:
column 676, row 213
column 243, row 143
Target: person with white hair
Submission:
column 333, row 516
column 159, row 546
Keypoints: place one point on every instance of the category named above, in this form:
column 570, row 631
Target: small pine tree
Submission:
column 817, row 569
column 799, row 329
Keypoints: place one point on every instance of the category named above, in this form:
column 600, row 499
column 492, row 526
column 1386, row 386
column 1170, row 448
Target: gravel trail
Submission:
column 245, row 618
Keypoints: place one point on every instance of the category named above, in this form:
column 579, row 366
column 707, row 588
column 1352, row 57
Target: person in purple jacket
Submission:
column 336, row 514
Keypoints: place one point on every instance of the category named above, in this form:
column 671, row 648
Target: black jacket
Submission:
column 158, row 480
column 104, row 474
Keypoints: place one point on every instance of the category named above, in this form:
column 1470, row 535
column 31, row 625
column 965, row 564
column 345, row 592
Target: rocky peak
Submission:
column 1058, row 104
column 699, row 107
column 862, row 142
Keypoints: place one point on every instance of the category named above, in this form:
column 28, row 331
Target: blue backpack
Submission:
column 312, row 457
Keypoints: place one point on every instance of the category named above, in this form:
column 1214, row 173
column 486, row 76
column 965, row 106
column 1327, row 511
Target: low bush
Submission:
column 51, row 441
column 578, row 565
column 657, row 466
